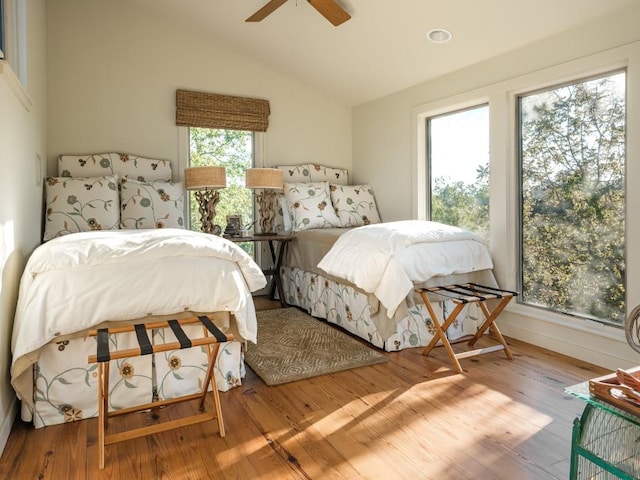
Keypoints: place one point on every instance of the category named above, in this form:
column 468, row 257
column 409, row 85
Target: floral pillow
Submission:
column 80, row 205
column 310, row 206
column 355, row 205
column 156, row 204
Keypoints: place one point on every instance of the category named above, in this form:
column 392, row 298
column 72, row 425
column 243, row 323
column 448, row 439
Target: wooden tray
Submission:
column 609, row 390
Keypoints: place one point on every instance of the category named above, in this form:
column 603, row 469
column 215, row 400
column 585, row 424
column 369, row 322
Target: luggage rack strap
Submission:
column 104, row 354
column 468, row 292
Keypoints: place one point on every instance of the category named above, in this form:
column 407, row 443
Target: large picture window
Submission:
column 458, row 155
column 572, row 198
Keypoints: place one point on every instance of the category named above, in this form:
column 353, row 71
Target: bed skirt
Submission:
column 65, row 388
column 351, row 309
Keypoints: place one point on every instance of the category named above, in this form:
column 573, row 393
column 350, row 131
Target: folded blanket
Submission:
column 387, row 259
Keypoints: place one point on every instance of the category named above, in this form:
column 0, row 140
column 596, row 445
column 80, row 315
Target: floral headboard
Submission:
column 109, row 191
column 311, row 172
column 122, row 164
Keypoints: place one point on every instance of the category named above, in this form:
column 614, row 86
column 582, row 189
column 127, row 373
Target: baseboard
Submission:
column 589, row 347
column 7, row 424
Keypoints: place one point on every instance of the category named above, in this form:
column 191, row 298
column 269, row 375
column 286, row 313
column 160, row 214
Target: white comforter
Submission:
column 77, row 281
column 386, row 259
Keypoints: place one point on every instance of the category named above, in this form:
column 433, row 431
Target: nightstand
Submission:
column 277, row 255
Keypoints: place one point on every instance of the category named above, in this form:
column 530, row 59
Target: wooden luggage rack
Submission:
column 212, row 337
column 463, row 295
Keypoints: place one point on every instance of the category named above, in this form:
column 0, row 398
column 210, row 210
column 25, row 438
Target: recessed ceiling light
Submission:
column 439, row 35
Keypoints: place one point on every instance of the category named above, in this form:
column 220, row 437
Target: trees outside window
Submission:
column 572, row 209
column 232, row 149
column 458, row 155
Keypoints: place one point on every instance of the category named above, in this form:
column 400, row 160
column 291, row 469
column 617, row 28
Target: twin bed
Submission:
column 126, row 270
column 91, row 273
column 369, row 288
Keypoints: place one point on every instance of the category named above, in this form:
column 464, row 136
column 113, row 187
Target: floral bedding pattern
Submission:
column 80, row 205
column 156, row 204
column 355, row 205
column 309, row 205
column 122, row 164
column 311, row 172
column 350, row 309
column 66, row 385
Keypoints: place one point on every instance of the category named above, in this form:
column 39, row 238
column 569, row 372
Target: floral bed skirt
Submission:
column 349, row 308
column 65, row 385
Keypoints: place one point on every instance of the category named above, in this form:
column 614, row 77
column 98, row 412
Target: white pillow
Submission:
column 310, row 206
column 355, row 205
column 156, row 204
column 80, row 205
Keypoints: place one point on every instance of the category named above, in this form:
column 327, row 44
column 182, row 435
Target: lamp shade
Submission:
column 202, row 178
column 266, row 178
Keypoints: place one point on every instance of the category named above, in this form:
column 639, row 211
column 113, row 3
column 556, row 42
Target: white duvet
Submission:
column 387, row 259
column 75, row 282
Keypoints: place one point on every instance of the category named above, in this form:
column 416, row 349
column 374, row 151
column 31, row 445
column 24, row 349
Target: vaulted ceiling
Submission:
column 383, row 48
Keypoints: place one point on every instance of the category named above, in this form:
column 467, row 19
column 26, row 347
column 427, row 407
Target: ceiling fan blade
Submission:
column 330, row 10
column 268, row 9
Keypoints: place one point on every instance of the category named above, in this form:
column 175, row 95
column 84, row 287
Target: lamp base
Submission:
column 267, row 201
column 207, row 201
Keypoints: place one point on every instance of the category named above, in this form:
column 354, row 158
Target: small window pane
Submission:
column 458, row 145
column 232, row 149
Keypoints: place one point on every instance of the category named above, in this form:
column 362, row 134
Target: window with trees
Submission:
column 572, row 198
column 232, row 149
column 458, row 156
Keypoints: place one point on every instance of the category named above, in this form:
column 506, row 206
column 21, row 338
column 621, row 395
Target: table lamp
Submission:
column 206, row 181
column 264, row 182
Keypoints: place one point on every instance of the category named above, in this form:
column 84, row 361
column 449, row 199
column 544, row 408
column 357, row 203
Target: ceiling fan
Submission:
column 329, row 9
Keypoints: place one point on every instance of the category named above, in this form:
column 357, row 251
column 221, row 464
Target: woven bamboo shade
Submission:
column 201, row 178
column 267, row 178
column 211, row 110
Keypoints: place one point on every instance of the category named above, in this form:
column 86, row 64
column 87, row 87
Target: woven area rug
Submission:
column 293, row 346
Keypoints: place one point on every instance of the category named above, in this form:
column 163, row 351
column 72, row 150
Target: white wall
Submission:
column 22, row 136
column 386, row 153
column 114, row 70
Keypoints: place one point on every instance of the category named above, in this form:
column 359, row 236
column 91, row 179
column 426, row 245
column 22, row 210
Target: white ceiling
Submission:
column 383, row 48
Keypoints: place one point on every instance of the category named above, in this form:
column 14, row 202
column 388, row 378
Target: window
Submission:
column 572, row 198
column 2, row 47
column 458, row 156
column 222, row 132
column 232, row 149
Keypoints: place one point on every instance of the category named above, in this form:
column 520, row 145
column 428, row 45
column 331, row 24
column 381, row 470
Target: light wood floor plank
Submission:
column 412, row 417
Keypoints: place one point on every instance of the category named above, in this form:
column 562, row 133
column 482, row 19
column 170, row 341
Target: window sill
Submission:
column 10, row 78
column 571, row 322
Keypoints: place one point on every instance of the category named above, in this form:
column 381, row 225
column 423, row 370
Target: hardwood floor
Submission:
column 409, row 418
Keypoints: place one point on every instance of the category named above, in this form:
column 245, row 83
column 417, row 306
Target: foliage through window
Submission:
column 458, row 145
column 572, row 166
column 232, row 149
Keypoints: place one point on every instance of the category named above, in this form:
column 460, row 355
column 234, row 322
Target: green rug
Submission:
column 293, row 346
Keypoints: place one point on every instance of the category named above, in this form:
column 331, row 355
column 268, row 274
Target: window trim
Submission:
column 2, row 30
